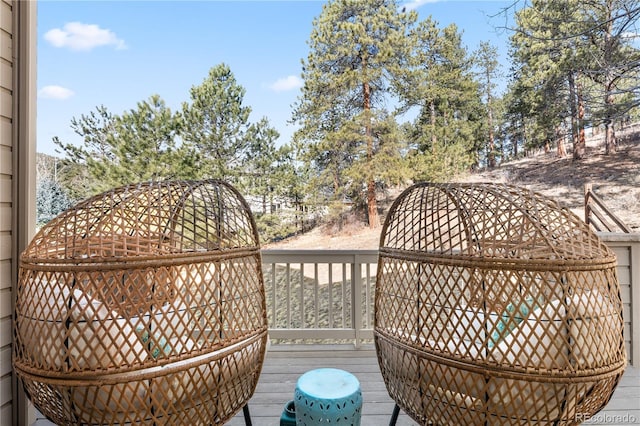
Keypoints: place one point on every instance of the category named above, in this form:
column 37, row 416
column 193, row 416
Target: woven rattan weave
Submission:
column 143, row 305
column 495, row 306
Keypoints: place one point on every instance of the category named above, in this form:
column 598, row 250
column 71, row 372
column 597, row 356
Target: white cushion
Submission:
column 539, row 339
column 552, row 338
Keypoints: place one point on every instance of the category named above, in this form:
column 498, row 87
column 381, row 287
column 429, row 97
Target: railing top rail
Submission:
column 320, row 251
column 622, row 237
column 604, row 235
column 319, row 256
column 595, row 208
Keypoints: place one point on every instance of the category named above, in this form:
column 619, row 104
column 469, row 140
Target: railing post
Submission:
column 587, row 213
column 356, row 298
column 634, row 254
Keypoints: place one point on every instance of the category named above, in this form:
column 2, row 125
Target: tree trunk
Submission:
column 609, row 85
column 372, row 205
column 610, row 145
column 579, row 146
column 609, row 131
column 582, row 140
column 491, row 161
column 432, row 119
column 562, row 151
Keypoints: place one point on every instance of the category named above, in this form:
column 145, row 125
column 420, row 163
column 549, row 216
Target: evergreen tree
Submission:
column 486, row 59
column 541, row 79
column 51, row 200
column 357, row 49
column 137, row 146
column 613, row 60
column 267, row 180
column 94, row 128
column 260, row 176
column 215, row 125
column 325, row 161
column 447, row 129
column 144, row 144
column 208, row 139
column 560, row 47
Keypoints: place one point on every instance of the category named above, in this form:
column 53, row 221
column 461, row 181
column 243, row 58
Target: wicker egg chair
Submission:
column 495, row 306
column 143, row 305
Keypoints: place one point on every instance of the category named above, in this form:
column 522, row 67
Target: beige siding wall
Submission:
column 627, row 250
column 17, row 184
column 624, row 275
column 7, row 261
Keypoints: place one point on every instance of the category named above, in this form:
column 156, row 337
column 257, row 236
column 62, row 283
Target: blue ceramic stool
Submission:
column 328, row 396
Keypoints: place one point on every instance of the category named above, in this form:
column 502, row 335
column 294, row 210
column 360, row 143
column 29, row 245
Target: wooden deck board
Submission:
column 282, row 368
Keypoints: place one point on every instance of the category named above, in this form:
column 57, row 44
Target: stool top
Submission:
column 328, row 383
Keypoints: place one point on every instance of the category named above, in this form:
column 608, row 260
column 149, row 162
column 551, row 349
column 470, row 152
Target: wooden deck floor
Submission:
column 283, row 367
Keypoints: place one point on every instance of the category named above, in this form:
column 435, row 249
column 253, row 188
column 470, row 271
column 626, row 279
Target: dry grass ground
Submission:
column 615, row 179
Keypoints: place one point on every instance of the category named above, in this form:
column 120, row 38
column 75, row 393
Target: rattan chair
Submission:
column 495, row 306
column 143, row 305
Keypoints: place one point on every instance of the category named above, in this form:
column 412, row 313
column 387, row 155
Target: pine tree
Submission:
column 562, row 48
column 52, row 197
column 546, row 78
column 613, row 61
column 51, row 200
column 486, row 59
column 259, row 177
column 215, row 123
column 269, row 180
column 144, row 144
column 446, row 133
column 357, row 49
column 137, row 146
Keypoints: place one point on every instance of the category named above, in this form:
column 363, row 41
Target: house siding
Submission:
column 627, row 250
column 17, row 179
column 6, row 211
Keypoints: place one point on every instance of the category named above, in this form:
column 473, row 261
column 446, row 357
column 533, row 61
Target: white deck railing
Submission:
column 320, row 295
column 327, row 296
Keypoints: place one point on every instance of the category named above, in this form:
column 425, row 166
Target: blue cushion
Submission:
column 162, row 346
column 511, row 317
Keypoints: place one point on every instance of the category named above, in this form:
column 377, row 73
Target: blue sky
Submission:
column 118, row 53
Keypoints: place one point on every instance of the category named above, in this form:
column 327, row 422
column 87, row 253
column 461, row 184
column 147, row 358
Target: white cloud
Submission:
column 414, row 4
column 83, row 37
column 285, row 84
column 55, row 92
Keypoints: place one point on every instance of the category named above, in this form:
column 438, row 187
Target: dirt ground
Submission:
column 615, row 179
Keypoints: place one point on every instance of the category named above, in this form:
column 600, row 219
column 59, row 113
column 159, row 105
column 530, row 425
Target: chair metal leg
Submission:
column 394, row 416
column 247, row 415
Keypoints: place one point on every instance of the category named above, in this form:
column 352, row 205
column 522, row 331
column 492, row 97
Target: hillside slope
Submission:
column 615, row 179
